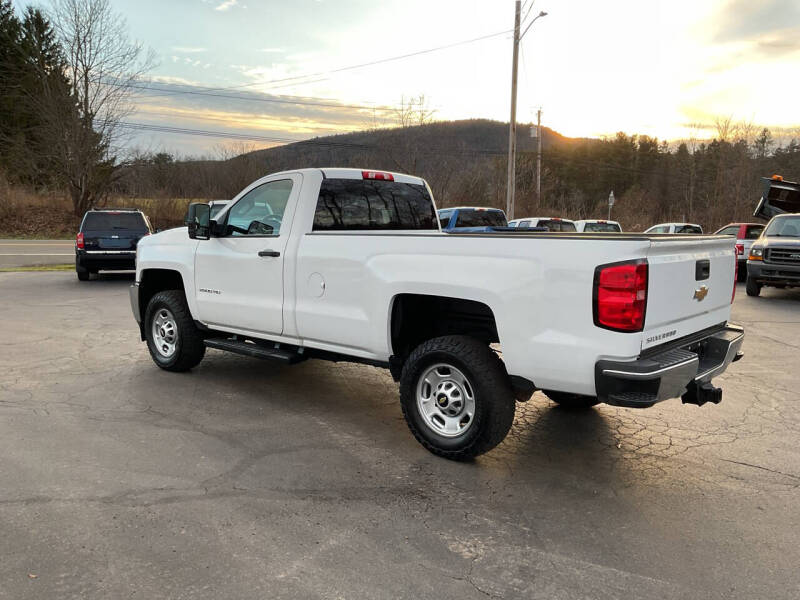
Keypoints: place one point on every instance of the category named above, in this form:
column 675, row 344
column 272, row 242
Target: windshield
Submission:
column 602, row 227
column 481, row 218
column 110, row 221
column 784, row 227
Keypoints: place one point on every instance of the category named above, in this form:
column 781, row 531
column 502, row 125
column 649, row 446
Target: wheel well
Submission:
column 154, row 281
column 419, row 317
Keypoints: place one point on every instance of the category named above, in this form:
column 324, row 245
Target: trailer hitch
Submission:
column 700, row 393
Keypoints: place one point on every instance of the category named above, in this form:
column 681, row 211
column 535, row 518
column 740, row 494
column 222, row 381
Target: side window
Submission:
column 444, row 219
column 733, row 230
column 260, row 211
column 753, row 232
column 360, row 205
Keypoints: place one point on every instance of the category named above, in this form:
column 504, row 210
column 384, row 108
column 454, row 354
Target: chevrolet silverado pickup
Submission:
column 351, row 265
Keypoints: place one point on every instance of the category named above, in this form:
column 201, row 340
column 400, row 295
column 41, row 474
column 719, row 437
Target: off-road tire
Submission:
column 491, row 387
column 572, row 401
column 753, row 287
column 189, row 349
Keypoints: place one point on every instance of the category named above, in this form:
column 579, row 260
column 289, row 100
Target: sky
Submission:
column 661, row 68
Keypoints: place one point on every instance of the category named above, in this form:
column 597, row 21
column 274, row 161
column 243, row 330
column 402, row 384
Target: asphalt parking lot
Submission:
column 246, row 479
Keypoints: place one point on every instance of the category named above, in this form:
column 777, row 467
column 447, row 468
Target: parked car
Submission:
column 351, row 265
column 745, row 234
column 107, row 240
column 774, row 258
column 471, row 218
column 597, row 226
column 675, row 228
column 551, row 223
column 217, row 206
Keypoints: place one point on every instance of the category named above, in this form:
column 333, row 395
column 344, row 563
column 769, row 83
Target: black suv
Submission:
column 107, row 240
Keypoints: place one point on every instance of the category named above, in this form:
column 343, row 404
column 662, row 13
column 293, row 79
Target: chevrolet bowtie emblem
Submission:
column 701, row 293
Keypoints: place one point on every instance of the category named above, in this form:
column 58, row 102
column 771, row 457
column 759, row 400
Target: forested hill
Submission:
column 711, row 182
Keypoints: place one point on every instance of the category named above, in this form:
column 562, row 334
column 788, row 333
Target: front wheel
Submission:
column 456, row 397
column 173, row 340
column 753, row 287
column 571, row 401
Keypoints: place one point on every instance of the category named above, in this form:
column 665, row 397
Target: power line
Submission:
column 366, row 64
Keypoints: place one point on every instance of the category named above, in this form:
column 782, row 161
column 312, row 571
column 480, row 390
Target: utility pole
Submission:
column 512, row 125
column 539, row 158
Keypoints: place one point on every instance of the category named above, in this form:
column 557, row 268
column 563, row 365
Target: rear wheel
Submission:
column 753, row 287
column 83, row 273
column 456, row 397
column 572, row 401
column 173, row 340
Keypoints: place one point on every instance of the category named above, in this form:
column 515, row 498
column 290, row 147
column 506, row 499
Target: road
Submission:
column 25, row 253
column 247, row 479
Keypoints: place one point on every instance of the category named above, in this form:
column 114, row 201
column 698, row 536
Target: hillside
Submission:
column 465, row 162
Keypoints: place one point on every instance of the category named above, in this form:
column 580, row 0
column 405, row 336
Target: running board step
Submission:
column 255, row 350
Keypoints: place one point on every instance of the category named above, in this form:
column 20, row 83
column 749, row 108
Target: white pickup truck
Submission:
column 344, row 264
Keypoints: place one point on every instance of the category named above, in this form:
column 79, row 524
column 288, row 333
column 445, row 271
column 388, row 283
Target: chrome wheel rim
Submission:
column 446, row 400
column 165, row 333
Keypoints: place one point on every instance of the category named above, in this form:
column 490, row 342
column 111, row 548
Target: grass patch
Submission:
column 37, row 268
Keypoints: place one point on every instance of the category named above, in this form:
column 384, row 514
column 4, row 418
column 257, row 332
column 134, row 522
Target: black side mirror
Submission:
column 198, row 220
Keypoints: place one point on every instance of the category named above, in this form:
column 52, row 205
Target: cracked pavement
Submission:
column 247, row 479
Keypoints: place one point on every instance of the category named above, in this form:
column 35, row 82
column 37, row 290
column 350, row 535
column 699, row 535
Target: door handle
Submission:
column 269, row 253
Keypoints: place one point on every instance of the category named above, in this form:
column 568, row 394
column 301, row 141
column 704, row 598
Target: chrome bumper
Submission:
column 679, row 371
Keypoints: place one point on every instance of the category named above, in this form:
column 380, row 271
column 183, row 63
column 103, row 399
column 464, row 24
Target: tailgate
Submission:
column 111, row 240
column 690, row 281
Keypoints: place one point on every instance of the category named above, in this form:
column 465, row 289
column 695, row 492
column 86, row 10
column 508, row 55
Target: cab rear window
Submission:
column 369, row 205
column 753, row 232
column 481, row 218
column 553, row 225
column 602, row 227
column 111, row 221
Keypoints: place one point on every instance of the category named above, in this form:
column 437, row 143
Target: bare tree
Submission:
column 414, row 111
column 102, row 68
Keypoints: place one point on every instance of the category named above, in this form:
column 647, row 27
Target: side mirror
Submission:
column 198, row 220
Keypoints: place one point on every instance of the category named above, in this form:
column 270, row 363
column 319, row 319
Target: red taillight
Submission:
column 739, row 249
column 79, row 241
column 377, row 175
column 620, row 296
column 736, row 270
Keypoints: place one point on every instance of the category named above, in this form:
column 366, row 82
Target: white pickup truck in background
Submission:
column 345, row 264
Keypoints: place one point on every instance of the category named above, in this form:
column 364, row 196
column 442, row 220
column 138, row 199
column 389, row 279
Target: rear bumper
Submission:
column 680, row 371
column 111, row 260
column 767, row 273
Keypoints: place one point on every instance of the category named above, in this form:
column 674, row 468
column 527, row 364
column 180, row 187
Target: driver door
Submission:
column 239, row 275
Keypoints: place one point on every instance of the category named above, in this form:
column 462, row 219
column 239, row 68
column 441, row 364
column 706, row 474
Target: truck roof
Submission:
column 342, row 173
